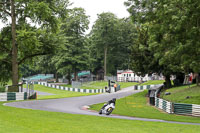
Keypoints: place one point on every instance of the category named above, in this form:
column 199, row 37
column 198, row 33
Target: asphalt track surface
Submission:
column 78, row 105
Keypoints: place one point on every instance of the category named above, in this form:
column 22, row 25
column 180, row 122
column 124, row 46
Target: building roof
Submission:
column 124, row 71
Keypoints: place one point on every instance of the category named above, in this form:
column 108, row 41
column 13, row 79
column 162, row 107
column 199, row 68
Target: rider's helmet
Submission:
column 114, row 99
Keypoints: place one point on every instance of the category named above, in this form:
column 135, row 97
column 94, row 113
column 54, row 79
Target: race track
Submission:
column 76, row 105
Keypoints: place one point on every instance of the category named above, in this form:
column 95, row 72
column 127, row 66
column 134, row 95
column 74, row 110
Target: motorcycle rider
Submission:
column 108, row 103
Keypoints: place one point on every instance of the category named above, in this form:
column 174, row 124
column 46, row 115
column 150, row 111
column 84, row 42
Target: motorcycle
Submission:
column 108, row 107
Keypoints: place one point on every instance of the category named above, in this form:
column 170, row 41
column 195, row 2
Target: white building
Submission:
column 130, row 76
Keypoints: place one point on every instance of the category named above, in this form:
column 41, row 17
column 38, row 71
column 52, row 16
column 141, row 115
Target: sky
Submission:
column 94, row 7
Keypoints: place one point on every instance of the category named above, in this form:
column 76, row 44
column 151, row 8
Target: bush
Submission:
column 2, row 89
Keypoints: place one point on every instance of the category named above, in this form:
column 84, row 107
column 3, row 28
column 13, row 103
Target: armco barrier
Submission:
column 73, row 89
column 143, row 87
column 183, row 109
column 164, row 105
column 195, row 110
column 187, row 109
column 13, row 96
column 177, row 108
column 136, row 87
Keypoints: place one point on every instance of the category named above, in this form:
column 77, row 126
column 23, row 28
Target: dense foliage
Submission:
column 168, row 36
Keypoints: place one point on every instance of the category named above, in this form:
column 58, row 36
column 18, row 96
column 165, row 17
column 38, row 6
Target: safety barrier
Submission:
column 13, row 96
column 187, row 109
column 177, row 108
column 195, row 110
column 72, row 89
column 164, row 105
column 183, row 109
column 143, row 87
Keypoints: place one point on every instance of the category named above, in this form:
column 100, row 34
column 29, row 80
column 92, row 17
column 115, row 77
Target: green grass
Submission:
column 102, row 84
column 179, row 94
column 67, row 85
column 2, row 89
column 95, row 85
column 14, row 120
column 136, row 105
column 153, row 82
column 58, row 93
column 91, row 85
column 127, row 84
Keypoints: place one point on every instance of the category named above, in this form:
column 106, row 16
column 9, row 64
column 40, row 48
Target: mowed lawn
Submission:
column 179, row 94
column 153, row 82
column 137, row 106
column 15, row 120
column 57, row 93
column 102, row 84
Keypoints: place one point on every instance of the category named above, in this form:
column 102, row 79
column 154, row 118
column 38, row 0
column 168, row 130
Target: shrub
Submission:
column 2, row 89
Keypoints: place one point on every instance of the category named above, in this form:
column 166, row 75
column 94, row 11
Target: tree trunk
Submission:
column 197, row 79
column 167, row 82
column 56, row 76
column 69, row 77
column 15, row 73
column 75, row 75
column 105, row 61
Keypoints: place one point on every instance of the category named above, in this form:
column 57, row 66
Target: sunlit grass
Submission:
column 15, row 120
column 153, row 82
column 179, row 94
column 137, row 106
column 57, row 93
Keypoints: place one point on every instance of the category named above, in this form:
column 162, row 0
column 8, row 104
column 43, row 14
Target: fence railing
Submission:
column 177, row 108
column 164, row 105
column 195, row 110
column 8, row 96
column 72, row 89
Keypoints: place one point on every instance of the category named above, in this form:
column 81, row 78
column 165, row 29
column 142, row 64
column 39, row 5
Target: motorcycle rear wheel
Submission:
column 109, row 111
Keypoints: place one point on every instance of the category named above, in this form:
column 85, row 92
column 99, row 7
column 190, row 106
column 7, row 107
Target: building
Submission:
column 130, row 76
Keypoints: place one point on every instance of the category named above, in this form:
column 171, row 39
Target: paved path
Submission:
column 76, row 105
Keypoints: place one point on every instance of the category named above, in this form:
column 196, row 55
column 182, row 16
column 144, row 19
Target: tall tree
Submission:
column 172, row 36
column 24, row 35
column 73, row 55
column 103, row 34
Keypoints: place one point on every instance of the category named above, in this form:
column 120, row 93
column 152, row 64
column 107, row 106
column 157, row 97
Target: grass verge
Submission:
column 102, row 84
column 14, row 120
column 153, row 82
column 57, row 93
column 127, row 84
column 136, row 106
column 179, row 94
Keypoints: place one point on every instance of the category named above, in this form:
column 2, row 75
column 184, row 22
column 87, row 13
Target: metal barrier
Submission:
column 72, row 89
column 164, row 105
column 177, row 108
column 195, row 110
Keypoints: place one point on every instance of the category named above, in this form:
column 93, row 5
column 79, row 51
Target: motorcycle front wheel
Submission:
column 100, row 112
column 109, row 111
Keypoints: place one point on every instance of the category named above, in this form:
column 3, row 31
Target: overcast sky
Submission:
column 94, row 7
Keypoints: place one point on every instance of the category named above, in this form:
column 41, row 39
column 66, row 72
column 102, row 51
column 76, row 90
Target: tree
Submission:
column 27, row 40
column 103, row 34
column 73, row 55
column 172, row 35
column 110, row 41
